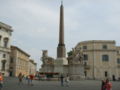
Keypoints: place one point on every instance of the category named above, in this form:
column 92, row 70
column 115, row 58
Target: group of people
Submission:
column 106, row 85
column 29, row 78
column 64, row 80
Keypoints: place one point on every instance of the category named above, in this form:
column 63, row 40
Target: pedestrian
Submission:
column 103, row 85
column 28, row 79
column 20, row 77
column 1, row 81
column 113, row 77
column 62, row 80
column 108, row 85
column 31, row 79
column 67, row 80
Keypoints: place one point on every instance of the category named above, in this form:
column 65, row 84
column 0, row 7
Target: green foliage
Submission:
column 70, row 53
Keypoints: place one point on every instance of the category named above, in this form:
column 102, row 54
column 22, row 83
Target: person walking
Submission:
column 103, row 85
column 28, row 79
column 62, row 80
column 31, row 79
column 67, row 80
column 20, row 77
column 108, row 85
column 1, row 81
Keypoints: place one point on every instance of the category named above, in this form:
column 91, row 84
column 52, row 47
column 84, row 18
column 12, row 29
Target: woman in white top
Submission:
column 67, row 80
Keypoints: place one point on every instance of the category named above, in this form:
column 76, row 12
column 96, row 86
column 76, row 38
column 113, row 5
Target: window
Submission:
column 85, row 72
column 104, row 46
column 117, row 52
column 118, row 60
column 11, row 60
column 85, row 63
column 4, row 55
column 106, row 73
column 84, row 47
column 11, row 67
column 105, row 57
column 85, row 57
column 3, row 65
column 5, row 42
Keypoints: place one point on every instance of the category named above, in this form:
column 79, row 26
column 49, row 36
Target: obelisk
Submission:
column 61, row 61
column 61, row 50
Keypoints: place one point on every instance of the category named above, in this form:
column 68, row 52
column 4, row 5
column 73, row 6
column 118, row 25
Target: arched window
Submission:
column 6, row 42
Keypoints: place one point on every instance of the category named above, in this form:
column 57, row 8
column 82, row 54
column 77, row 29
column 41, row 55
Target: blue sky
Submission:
column 36, row 23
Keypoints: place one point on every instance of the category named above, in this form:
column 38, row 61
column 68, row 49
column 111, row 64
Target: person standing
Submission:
column 28, row 79
column 108, row 85
column 20, row 77
column 31, row 79
column 113, row 77
column 1, row 81
column 103, row 85
column 62, row 80
column 67, row 80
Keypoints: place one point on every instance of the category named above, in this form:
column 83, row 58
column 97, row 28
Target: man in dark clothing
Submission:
column 62, row 80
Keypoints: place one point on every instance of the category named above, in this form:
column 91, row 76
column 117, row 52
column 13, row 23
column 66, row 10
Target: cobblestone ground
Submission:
column 12, row 84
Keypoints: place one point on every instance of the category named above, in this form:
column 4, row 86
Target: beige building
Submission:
column 19, row 62
column 5, row 41
column 101, row 59
column 32, row 67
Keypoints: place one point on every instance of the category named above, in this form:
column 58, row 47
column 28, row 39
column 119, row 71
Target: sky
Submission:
column 36, row 23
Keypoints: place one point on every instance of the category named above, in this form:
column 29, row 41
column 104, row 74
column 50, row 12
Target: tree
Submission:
column 70, row 53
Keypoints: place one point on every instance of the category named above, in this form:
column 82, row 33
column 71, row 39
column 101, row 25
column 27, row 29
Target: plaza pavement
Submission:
column 12, row 84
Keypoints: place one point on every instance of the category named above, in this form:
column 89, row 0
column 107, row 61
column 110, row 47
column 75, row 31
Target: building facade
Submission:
column 101, row 59
column 32, row 67
column 19, row 62
column 5, row 42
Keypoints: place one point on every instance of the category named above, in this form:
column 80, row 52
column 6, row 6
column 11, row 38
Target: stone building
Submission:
column 32, row 67
column 19, row 62
column 101, row 58
column 5, row 42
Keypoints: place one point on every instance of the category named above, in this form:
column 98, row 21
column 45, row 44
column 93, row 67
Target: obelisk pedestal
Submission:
column 59, row 64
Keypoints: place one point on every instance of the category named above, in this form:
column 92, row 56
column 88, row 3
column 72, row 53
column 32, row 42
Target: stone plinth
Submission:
column 59, row 64
column 76, row 72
